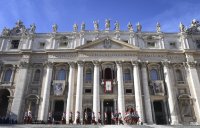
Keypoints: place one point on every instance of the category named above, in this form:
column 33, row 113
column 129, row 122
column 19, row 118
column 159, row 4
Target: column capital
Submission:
column 23, row 64
column 135, row 63
column 48, row 64
column 166, row 63
column 96, row 62
column 71, row 64
column 144, row 64
column 192, row 64
column 118, row 63
column 81, row 63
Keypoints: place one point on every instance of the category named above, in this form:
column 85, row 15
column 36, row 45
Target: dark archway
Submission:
column 159, row 112
column 89, row 115
column 108, row 74
column 108, row 108
column 4, row 93
column 58, row 110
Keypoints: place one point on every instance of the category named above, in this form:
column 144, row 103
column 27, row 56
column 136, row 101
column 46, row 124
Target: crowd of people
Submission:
column 131, row 117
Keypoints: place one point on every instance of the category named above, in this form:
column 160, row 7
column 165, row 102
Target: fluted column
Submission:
column 79, row 89
column 147, row 100
column 70, row 91
column 121, row 102
column 194, row 85
column 137, row 89
column 96, row 100
column 19, row 91
column 45, row 94
column 170, row 92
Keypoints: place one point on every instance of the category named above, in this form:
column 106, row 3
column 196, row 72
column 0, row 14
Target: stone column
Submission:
column 96, row 100
column 45, row 93
column 70, row 91
column 147, row 100
column 115, row 105
column 137, row 89
column 121, row 102
column 102, row 112
column 194, row 85
column 16, row 108
column 79, row 90
column 170, row 91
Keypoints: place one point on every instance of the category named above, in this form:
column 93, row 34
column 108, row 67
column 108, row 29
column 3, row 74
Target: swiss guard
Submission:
column 50, row 118
column 26, row 118
column 78, row 118
column 85, row 118
column 93, row 118
column 63, row 118
column 29, row 117
column 120, row 118
column 99, row 118
column 70, row 118
column 105, row 118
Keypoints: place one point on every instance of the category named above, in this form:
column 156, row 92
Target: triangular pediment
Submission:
column 107, row 44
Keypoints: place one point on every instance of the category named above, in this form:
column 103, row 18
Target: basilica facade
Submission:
column 156, row 74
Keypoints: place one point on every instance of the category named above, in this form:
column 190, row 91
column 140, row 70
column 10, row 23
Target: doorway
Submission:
column 159, row 112
column 89, row 115
column 108, row 108
column 58, row 110
column 4, row 93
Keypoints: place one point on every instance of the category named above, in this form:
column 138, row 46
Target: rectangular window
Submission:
column 63, row 44
column 42, row 45
column 88, row 41
column 14, row 44
column 172, row 44
column 198, row 44
column 151, row 44
column 125, row 41
column 88, row 90
column 128, row 91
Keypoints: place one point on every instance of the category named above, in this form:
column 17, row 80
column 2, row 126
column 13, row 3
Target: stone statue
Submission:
column 96, row 25
column 117, row 26
column 19, row 23
column 181, row 27
column 130, row 27
column 83, row 26
column 107, row 24
column 32, row 28
column 55, row 28
column 5, row 31
column 158, row 27
column 139, row 27
column 75, row 27
column 194, row 23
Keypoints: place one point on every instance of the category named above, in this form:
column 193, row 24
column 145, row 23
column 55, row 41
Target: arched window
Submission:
column 37, row 76
column 127, row 75
column 154, row 74
column 88, row 75
column 8, row 74
column 179, row 75
column 61, row 74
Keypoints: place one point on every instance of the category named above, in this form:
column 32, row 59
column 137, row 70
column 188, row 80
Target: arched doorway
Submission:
column 108, row 74
column 4, row 93
column 89, row 115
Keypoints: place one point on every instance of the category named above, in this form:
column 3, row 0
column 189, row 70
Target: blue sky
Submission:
column 65, row 13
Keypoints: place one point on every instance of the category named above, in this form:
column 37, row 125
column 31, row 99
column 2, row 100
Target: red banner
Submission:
column 108, row 86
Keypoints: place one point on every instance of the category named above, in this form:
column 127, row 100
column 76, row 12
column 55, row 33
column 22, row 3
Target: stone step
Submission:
column 96, row 126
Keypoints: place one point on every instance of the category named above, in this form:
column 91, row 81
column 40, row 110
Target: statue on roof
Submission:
column 75, row 27
column 139, row 27
column 55, row 28
column 181, row 27
column 107, row 24
column 32, row 28
column 96, row 25
column 83, row 26
column 19, row 24
column 5, row 32
column 117, row 26
column 194, row 27
column 158, row 27
column 130, row 27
